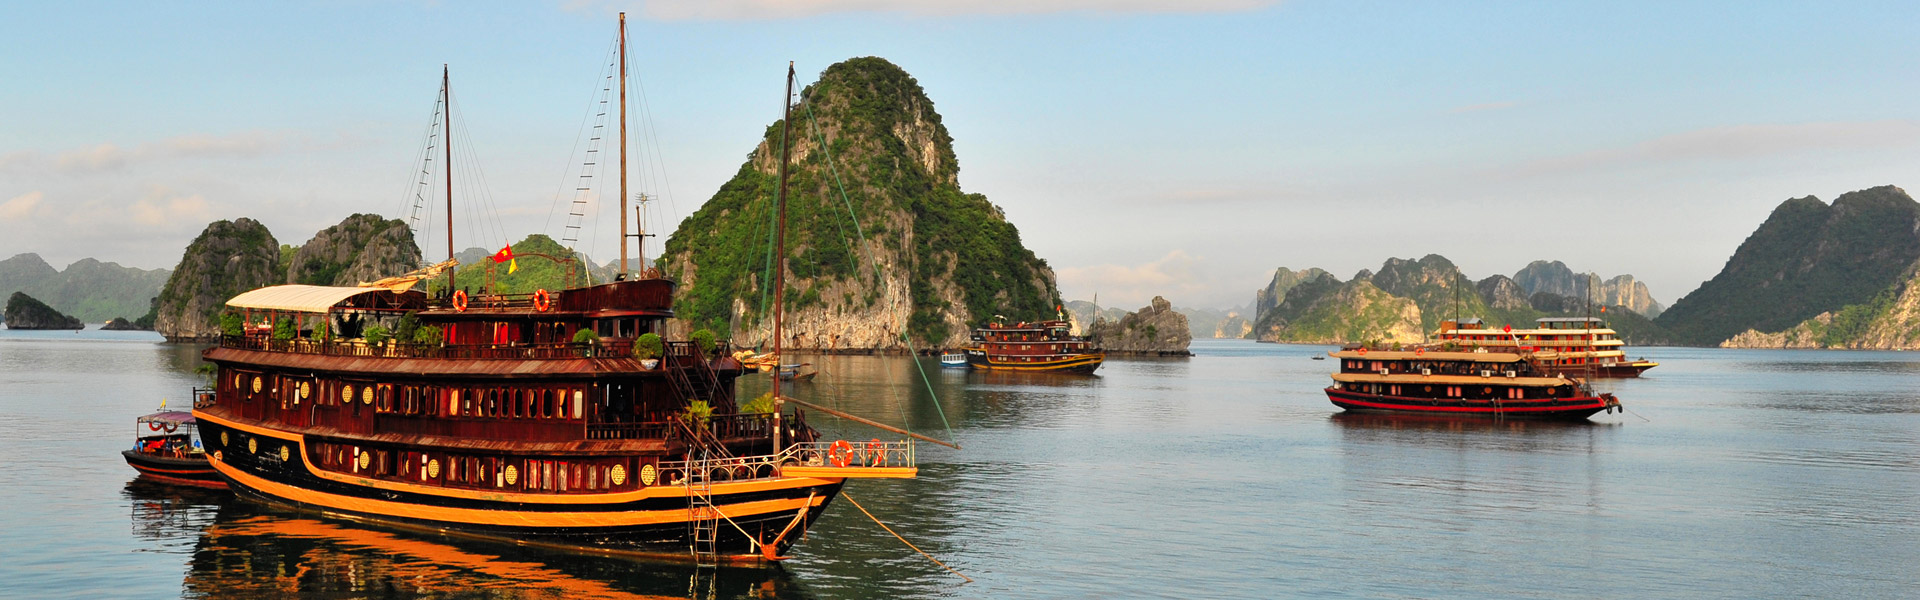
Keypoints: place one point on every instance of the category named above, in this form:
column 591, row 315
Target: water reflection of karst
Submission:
column 249, row 552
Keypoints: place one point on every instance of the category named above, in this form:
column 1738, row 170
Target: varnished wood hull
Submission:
column 1080, row 363
column 654, row 522
column 195, row 472
column 1543, row 408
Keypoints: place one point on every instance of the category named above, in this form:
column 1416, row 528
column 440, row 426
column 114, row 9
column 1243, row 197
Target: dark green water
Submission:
column 1739, row 474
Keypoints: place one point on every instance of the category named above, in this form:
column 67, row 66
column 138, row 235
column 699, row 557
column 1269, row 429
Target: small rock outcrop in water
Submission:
column 361, row 248
column 91, row 290
column 120, row 324
column 24, row 312
column 228, row 258
column 1155, row 330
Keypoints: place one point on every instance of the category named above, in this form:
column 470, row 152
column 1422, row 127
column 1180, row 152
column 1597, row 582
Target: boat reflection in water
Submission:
column 242, row 550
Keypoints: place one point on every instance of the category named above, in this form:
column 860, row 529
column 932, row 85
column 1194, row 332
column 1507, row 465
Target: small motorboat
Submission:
column 167, row 449
column 1319, row 357
column 954, row 360
column 793, row 372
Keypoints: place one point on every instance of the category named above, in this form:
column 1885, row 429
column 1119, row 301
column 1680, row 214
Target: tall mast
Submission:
column 780, row 248
column 623, row 145
column 446, row 97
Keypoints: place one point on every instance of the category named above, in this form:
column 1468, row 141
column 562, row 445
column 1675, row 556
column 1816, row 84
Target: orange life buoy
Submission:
column 460, row 300
column 840, row 453
column 154, row 426
column 542, row 301
column 876, row 453
column 1363, row 350
column 1419, row 351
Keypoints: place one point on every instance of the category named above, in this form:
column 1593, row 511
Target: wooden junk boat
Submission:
column 1475, row 383
column 167, row 448
column 1578, row 345
column 492, row 421
column 1043, row 346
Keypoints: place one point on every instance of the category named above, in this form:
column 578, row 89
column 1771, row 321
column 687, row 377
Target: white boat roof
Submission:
column 299, row 298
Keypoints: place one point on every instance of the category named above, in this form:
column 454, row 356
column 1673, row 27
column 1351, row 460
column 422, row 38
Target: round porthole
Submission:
column 285, row 454
column 256, row 384
column 253, row 446
column 433, row 468
column 306, row 389
column 366, row 459
column 513, row 475
column 223, row 438
column 366, row 395
column 647, row 475
column 619, row 475
column 346, row 394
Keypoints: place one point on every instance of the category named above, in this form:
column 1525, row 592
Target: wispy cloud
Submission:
column 162, row 207
column 1739, row 142
column 21, row 206
column 109, row 156
column 1482, row 107
column 731, row 10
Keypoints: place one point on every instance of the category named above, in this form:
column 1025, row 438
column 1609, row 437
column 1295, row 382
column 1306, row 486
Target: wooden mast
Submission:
column 623, row 145
column 446, row 97
column 780, row 249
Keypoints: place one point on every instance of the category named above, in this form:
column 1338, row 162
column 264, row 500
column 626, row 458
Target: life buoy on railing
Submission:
column 460, row 300
column 840, row 453
column 1363, row 350
column 876, row 453
column 542, row 301
column 172, row 427
column 154, row 425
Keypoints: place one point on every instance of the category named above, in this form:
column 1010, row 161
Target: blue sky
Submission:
column 1142, row 146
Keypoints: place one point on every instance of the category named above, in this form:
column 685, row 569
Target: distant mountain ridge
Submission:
column 1555, row 278
column 1405, row 301
column 88, row 289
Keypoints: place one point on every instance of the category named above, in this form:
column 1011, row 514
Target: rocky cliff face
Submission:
column 936, row 260
column 1808, row 258
column 1555, row 278
column 24, row 312
column 228, row 258
column 1264, row 299
column 91, row 290
column 361, row 248
column 1889, row 321
column 1154, row 330
column 1325, row 311
column 1500, row 292
column 1233, row 327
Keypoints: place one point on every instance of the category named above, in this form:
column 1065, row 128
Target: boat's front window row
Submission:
column 460, row 470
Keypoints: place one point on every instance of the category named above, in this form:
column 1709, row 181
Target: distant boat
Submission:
column 1043, row 346
column 793, row 372
column 1318, row 357
column 954, row 360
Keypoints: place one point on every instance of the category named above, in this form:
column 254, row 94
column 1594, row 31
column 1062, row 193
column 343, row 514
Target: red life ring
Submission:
column 154, row 425
column 840, row 453
column 1419, row 351
column 460, row 300
column 876, row 453
column 1363, row 350
column 542, row 301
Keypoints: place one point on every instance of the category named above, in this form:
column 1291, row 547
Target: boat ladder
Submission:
column 702, row 516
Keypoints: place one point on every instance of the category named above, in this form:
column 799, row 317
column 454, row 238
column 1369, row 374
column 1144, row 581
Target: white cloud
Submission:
column 109, row 156
column 21, row 206
column 161, row 207
column 673, row 10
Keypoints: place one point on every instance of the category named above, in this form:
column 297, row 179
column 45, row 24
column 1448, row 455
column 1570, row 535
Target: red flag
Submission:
column 1603, row 308
column 504, row 255
column 1508, row 328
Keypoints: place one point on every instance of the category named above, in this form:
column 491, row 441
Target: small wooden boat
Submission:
column 167, row 449
column 1318, row 357
column 954, row 360
column 1043, row 346
column 793, row 372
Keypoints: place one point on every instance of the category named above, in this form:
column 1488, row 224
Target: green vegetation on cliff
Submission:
column 24, row 312
column 1808, row 258
column 959, row 259
column 229, row 257
column 88, row 289
column 538, row 270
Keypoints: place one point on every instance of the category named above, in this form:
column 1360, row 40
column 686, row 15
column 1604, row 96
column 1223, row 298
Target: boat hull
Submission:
column 196, row 472
column 1568, row 408
column 1079, row 363
column 652, row 522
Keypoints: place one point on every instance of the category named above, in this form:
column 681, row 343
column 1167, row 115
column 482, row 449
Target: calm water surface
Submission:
column 1738, row 474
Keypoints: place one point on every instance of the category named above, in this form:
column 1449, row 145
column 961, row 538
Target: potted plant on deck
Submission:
column 648, row 348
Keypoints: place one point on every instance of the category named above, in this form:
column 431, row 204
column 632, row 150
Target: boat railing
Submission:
column 744, row 425
column 629, row 431
column 514, row 351
column 843, row 454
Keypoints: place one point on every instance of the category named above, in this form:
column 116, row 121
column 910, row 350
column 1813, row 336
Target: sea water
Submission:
column 1736, row 474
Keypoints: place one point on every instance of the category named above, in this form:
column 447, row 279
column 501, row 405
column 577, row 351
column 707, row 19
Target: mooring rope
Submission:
column 876, row 521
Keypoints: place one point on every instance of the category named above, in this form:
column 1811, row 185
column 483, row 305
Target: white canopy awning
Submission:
column 299, row 298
